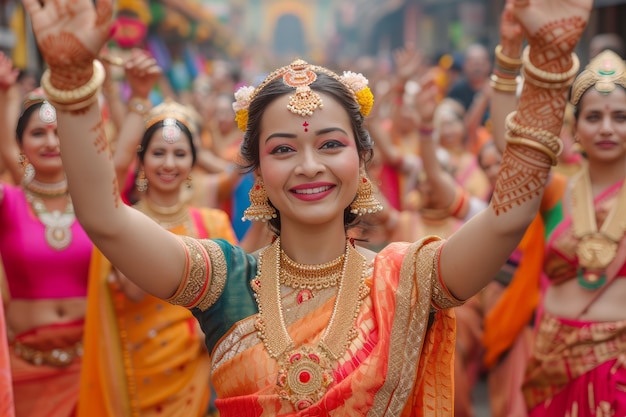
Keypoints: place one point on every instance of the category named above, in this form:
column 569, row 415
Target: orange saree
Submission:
column 399, row 363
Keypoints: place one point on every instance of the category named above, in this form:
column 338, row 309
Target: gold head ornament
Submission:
column 604, row 72
column 170, row 111
column 300, row 75
column 47, row 113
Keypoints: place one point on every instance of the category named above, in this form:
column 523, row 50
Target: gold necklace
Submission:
column 310, row 277
column 167, row 217
column 46, row 190
column 57, row 224
column 306, row 372
column 596, row 248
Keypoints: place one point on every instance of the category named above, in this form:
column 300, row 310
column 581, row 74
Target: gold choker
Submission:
column 167, row 217
column 310, row 276
column 46, row 190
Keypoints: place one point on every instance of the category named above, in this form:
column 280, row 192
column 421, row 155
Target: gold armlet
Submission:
column 546, row 139
column 545, row 79
column 505, row 85
column 506, row 62
column 78, row 98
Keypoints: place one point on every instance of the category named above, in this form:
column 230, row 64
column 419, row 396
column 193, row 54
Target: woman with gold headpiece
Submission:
column 312, row 324
column 576, row 359
column 45, row 254
column 144, row 356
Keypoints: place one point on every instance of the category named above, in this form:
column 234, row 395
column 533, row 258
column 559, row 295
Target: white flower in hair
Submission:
column 356, row 81
column 242, row 98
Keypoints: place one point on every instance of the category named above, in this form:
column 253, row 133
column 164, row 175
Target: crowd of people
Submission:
column 324, row 241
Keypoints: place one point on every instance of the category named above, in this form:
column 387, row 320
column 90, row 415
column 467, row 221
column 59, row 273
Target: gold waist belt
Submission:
column 57, row 357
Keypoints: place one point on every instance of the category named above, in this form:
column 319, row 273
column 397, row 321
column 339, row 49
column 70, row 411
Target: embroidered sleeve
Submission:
column 204, row 274
column 442, row 298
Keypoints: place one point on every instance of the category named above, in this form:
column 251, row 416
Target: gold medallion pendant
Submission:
column 303, row 377
column 596, row 249
column 305, row 372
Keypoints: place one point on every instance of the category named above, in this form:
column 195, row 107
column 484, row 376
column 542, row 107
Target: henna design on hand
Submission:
column 522, row 176
column 557, row 38
column 67, row 77
column 116, row 193
column 540, row 107
column 100, row 142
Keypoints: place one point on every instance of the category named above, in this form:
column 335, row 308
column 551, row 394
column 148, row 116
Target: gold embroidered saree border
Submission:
column 409, row 328
column 204, row 275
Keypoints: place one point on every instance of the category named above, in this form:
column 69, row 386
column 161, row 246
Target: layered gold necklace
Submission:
column 596, row 248
column 306, row 371
column 57, row 224
column 168, row 217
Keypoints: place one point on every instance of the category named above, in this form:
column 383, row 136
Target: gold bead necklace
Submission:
column 310, row 276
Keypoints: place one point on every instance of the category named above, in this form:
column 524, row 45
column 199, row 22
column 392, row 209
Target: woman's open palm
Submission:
column 70, row 32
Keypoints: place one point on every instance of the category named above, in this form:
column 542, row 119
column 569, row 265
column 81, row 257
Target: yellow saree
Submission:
column 145, row 358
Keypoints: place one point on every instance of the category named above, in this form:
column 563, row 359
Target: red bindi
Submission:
column 306, row 126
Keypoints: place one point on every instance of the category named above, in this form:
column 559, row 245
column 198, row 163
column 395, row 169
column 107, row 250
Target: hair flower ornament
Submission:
column 300, row 75
column 243, row 96
column 359, row 84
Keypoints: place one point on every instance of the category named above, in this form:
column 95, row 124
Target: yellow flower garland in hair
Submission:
column 357, row 83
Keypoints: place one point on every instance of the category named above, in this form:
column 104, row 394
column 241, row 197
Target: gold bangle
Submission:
column 546, row 138
column 77, row 95
column 540, row 75
column 81, row 105
column 506, row 85
column 506, row 61
column 547, row 85
column 514, row 140
column 141, row 106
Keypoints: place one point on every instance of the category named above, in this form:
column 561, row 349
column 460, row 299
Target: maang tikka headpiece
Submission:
column 300, row 75
column 604, row 72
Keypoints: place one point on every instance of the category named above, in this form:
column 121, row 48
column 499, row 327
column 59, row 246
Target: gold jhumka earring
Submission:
column 365, row 201
column 141, row 182
column 29, row 170
column 260, row 209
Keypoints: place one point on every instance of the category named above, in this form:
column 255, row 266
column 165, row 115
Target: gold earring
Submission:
column 260, row 209
column 29, row 169
column 141, row 182
column 189, row 182
column 365, row 202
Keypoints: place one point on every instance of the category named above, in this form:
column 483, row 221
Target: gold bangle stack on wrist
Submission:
column 79, row 98
column 141, row 106
column 533, row 137
column 545, row 79
column 505, row 72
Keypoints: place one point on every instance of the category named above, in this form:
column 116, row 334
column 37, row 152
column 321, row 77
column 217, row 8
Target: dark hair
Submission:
column 149, row 133
column 23, row 120
column 276, row 89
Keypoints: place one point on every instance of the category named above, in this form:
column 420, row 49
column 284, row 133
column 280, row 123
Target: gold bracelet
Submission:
column 506, row 85
column 77, row 95
column 547, row 85
column 540, row 75
column 141, row 106
column 506, row 61
column 514, row 140
column 546, row 138
column 81, row 105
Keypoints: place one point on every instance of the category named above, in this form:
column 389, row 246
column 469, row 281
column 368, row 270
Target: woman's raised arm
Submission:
column 474, row 254
column 70, row 34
